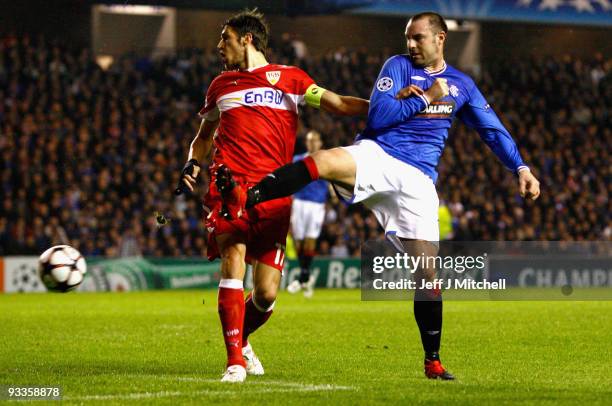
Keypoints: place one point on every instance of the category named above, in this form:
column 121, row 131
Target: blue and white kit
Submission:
column 398, row 152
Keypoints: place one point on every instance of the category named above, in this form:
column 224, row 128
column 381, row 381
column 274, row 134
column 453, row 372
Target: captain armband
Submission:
column 313, row 95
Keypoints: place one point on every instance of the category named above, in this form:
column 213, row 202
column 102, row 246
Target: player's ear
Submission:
column 442, row 37
column 247, row 39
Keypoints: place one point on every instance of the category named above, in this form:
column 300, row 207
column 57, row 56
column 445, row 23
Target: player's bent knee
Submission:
column 322, row 160
column 265, row 296
column 335, row 164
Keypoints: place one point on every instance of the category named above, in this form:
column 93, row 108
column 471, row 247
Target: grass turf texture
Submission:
column 166, row 348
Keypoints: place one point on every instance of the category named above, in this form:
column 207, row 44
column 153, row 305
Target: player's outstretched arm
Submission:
column 479, row 115
column 344, row 105
column 198, row 151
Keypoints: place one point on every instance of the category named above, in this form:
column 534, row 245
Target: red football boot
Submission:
column 435, row 370
column 232, row 194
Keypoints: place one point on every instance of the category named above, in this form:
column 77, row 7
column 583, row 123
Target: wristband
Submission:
column 189, row 166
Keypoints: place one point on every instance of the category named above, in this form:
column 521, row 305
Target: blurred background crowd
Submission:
column 89, row 156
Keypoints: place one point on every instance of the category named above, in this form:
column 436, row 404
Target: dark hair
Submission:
column 251, row 21
column 435, row 20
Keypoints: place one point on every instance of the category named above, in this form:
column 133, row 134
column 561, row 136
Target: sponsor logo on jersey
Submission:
column 417, row 77
column 273, row 76
column 385, row 83
column 264, row 97
column 438, row 109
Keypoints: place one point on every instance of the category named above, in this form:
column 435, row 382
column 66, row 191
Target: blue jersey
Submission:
column 313, row 192
column 415, row 131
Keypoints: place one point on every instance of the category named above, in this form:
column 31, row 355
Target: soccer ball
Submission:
column 61, row 268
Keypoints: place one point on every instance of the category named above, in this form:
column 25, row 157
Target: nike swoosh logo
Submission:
column 417, row 77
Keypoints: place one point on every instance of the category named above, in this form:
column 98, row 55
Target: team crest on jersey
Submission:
column 453, row 90
column 273, row 77
column 385, row 83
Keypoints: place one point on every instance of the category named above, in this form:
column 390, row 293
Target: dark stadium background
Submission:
column 88, row 155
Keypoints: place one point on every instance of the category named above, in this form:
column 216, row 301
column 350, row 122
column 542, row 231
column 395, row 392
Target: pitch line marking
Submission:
column 162, row 394
column 274, row 383
column 248, row 382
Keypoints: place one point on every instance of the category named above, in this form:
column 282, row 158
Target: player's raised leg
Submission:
column 335, row 165
column 258, row 309
column 231, row 304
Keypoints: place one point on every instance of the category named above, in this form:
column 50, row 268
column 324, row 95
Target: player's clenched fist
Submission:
column 529, row 186
column 412, row 90
column 188, row 177
column 437, row 91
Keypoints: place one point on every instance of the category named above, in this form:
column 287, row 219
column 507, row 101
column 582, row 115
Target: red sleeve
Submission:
column 303, row 81
column 211, row 98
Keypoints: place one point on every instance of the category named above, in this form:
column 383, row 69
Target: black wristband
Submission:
column 187, row 170
column 189, row 164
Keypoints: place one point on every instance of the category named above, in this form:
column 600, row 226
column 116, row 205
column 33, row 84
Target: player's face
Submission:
column 313, row 142
column 231, row 49
column 424, row 46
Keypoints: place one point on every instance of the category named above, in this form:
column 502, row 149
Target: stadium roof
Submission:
column 583, row 12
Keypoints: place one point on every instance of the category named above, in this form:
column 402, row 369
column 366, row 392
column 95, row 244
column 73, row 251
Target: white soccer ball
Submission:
column 61, row 268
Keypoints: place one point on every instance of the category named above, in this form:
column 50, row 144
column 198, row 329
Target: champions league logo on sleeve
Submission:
column 384, row 84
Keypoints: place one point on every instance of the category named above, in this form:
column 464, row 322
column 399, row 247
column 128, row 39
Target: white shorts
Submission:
column 403, row 199
column 306, row 219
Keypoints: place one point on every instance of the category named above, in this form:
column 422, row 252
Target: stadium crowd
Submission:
column 89, row 156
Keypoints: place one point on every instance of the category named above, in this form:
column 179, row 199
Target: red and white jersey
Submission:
column 259, row 116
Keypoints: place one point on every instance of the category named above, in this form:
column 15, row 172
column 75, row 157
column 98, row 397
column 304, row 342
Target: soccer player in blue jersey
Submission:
column 307, row 216
column 391, row 168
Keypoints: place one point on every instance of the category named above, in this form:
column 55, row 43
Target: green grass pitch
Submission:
column 166, row 348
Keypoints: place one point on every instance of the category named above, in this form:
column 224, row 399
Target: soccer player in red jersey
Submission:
column 250, row 118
